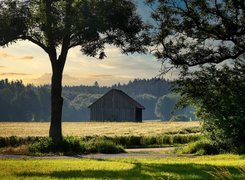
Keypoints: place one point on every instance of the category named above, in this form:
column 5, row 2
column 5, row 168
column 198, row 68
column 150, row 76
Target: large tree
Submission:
column 59, row 25
column 197, row 37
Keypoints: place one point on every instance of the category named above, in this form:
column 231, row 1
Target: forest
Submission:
column 26, row 103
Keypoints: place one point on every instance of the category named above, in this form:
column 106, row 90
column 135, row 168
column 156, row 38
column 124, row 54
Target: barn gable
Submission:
column 116, row 105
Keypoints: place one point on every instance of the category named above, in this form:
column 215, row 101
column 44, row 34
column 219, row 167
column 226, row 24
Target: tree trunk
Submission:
column 55, row 131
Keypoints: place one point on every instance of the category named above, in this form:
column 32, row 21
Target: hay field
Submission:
column 23, row 129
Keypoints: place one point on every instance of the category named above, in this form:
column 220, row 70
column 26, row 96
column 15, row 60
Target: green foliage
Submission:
column 189, row 34
column 166, row 108
column 15, row 141
column 197, row 32
column 58, row 26
column 103, row 145
column 74, row 145
column 162, row 140
column 149, row 102
column 200, row 147
column 179, row 117
column 43, row 145
column 84, row 100
column 220, row 104
column 31, row 103
column 95, row 144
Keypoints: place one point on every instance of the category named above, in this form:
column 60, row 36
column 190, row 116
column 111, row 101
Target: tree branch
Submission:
column 35, row 42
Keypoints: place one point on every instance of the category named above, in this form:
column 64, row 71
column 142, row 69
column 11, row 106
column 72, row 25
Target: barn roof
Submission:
column 124, row 95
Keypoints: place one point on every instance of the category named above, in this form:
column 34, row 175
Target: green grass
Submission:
column 202, row 167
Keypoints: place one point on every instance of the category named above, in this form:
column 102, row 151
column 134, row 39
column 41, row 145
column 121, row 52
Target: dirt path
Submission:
column 91, row 156
column 149, row 149
column 132, row 153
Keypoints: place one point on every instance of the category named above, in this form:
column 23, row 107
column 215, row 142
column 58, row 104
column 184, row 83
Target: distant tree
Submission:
column 149, row 102
column 179, row 117
column 96, row 84
column 57, row 26
column 165, row 107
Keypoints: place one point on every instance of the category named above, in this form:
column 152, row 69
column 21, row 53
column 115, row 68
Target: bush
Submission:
column 74, row 145
column 241, row 149
column 70, row 144
column 201, row 147
column 102, row 145
column 94, row 144
column 43, row 145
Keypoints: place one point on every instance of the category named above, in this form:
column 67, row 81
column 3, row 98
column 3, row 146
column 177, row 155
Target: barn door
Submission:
column 138, row 115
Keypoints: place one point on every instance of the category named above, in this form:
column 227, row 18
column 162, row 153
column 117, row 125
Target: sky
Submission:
column 28, row 62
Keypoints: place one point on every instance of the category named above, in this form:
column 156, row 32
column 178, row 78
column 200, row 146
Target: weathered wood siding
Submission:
column 113, row 107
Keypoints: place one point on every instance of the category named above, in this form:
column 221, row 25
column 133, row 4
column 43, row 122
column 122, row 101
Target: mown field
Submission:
column 23, row 129
column 202, row 167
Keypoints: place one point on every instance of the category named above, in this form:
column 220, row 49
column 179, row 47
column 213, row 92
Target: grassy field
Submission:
column 24, row 129
column 204, row 167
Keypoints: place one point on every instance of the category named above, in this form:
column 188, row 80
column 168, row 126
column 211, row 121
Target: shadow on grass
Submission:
column 147, row 171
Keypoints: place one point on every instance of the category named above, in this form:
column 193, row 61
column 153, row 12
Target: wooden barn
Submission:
column 116, row 106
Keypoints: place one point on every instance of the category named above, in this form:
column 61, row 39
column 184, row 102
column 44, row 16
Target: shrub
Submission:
column 43, row 145
column 148, row 140
column 74, row 145
column 201, row 147
column 106, row 146
column 3, row 142
column 70, row 145
column 241, row 149
column 93, row 144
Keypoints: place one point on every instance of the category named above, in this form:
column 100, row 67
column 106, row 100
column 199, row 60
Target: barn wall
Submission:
column 113, row 107
column 112, row 114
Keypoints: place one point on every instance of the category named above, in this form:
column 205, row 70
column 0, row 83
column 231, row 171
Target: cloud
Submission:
column 100, row 76
column 14, row 74
column 107, row 66
column 9, row 56
column 46, row 79
column 27, row 58
column 2, row 66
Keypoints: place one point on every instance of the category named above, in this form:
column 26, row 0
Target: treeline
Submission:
column 32, row 103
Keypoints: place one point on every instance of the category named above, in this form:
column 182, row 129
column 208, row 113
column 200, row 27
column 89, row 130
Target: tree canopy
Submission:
column 57, row 26
column 69, row 23
column 188, row 33
column 198, row 37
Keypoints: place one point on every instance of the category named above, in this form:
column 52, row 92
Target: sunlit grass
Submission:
column 204, row 167
column 94, row 128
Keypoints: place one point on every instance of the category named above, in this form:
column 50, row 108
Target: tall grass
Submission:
column 42, row 143
column 82, row 129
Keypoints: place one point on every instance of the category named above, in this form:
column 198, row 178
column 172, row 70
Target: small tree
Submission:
column 57, row 26
column 220, row 103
